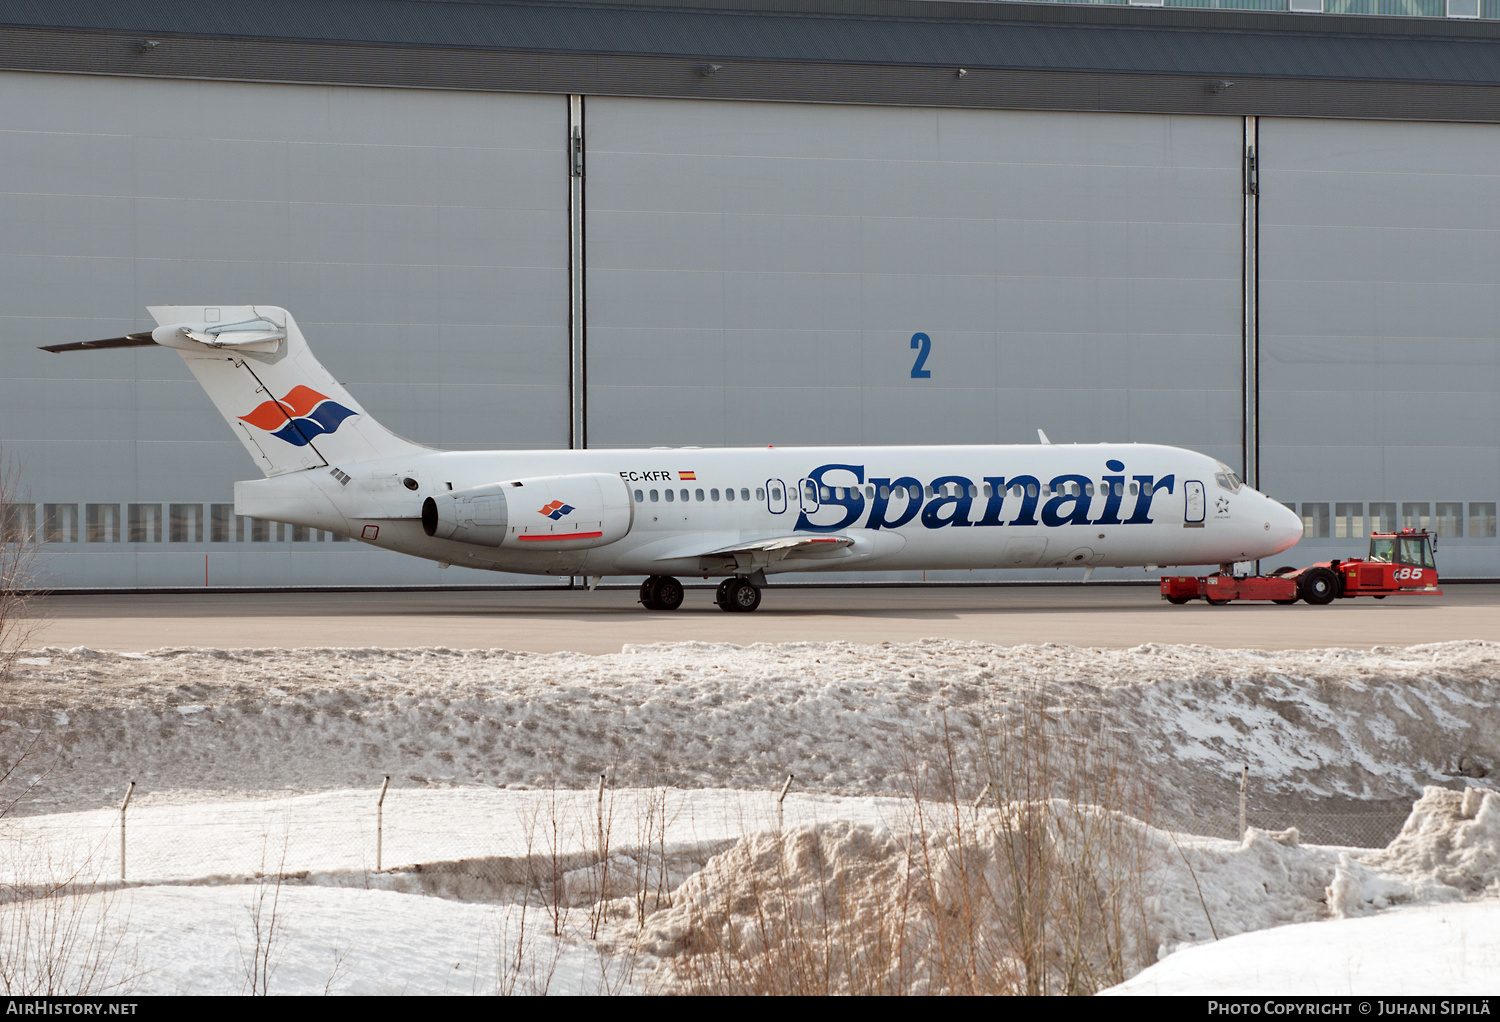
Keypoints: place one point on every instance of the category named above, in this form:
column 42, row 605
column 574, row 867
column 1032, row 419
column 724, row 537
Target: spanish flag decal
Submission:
column 688, row 477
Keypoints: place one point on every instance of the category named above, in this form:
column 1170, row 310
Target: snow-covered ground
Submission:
column 1447, row 949
column 187, row 921
column 1364, row 724
column 495, row 759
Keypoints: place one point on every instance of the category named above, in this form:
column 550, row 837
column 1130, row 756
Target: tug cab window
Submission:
column 1415, row 552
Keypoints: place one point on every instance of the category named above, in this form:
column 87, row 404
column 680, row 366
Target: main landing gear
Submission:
column 663, row 592
column 737, row 593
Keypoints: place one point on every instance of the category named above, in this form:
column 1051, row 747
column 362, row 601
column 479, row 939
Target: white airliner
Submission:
column 736, row 513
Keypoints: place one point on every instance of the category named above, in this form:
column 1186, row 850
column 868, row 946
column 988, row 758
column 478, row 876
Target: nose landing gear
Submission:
column 737, row 593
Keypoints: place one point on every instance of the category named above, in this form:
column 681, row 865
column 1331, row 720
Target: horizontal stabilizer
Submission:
column 128, row 341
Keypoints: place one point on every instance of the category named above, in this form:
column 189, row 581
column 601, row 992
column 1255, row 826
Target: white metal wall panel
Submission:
column 756, row 273
column 418, row 236
column 1380, row 310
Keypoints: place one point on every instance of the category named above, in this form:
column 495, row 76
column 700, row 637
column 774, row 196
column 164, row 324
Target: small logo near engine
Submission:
column 556, row 510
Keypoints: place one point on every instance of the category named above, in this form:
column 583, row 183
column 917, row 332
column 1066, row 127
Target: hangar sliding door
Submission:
column 1379, row 311
column 419, row 238
column 759, row 273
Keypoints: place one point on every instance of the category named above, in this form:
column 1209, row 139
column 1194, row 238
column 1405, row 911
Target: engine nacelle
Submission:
column 570, row 512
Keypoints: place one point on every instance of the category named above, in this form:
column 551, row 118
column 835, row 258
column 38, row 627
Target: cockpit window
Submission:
column 1227, row 479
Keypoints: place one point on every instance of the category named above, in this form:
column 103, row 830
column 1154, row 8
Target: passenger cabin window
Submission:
column 760, row 493
column 729, row 493
column 654, row 496
column 697, row 495
column 713, row 494
column 638, row 496
column 670, row 497
column 745, row 493
column 685, row 495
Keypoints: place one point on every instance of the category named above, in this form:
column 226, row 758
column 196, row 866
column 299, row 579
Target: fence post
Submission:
column 1244, row 779
column 599, row 818
column 380, row 822
column 123, row 806
column 782, row 798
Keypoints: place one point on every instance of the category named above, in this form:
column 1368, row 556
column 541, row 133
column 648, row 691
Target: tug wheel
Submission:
column 1318, row 587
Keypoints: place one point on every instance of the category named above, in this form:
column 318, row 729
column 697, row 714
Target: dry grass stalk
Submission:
column 61, row 932
column 19, row 545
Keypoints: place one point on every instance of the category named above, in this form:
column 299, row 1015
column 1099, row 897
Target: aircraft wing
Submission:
column 752, row 554
column 783, row 545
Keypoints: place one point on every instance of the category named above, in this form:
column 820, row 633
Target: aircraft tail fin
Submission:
column 285, row 407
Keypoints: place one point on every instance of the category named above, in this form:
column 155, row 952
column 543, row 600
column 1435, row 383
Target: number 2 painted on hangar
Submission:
column 925, row 343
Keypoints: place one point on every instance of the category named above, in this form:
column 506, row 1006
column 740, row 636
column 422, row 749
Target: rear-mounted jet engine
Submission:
column 569, row 512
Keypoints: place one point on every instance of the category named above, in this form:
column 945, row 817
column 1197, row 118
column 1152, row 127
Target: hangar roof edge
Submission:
column 1016, row 37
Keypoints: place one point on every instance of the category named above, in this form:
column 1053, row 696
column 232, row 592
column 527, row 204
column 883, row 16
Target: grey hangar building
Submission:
column 1271, row 235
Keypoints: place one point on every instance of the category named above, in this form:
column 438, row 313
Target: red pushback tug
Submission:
column 1399, row 562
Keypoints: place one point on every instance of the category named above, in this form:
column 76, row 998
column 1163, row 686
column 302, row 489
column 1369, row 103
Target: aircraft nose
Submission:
column 1285, row 527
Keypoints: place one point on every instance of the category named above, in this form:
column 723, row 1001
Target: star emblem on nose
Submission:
column 1222, row 506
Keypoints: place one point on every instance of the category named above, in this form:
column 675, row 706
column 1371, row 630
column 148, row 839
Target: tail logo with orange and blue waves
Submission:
column 300, row 416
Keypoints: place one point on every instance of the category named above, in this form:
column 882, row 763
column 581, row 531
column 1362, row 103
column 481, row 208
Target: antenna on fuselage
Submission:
column 1042, row 437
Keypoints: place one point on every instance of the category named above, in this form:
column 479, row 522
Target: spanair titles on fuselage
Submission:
column 843, row 497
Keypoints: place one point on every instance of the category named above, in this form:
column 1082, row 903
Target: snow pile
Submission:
column 1375, row 724
column 849, row 908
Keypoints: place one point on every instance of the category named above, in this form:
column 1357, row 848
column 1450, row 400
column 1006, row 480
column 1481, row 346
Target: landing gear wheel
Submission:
column 1177, row 600
column 647, row 600
column 1318, row 586
column 744, row 595
column 666, row 593
column 721, row 597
